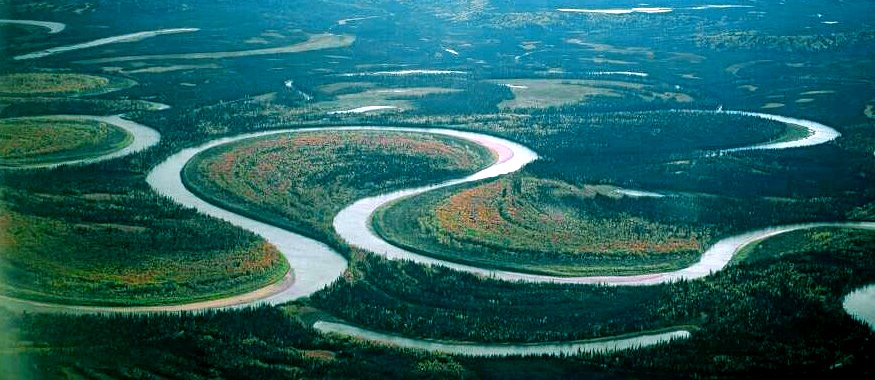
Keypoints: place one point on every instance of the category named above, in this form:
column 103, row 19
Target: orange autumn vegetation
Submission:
column 93, row 263
column 499, row 214
column 300, row 180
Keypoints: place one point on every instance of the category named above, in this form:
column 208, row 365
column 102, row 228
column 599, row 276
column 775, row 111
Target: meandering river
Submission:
column 353, row 223
column 315, row 265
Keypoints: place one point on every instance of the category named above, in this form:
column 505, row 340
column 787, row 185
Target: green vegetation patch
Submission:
column 301, row 180
column 800, row 242
column 37, row 105
column 783, row 310
column 58, row 84
column 352, row 95
column 545, row 93
column 792, row 132
column 345, row 87
column 47, row 140
column 434, row 302
column 540, row 226
column 665, row 150
column 133, row 262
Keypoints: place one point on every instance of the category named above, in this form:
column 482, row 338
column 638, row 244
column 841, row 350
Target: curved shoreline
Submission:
column 363, row 109
column 646, row 9
column 143, row 138
column 321, row 265
column 240, row 299
column 353, row 223
column 132, row 37
column 53, row 27
column 405, row 73
column 600, row 345
column 817, row 133
column 860, row 304
column 316, row 265
column 315, row 42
